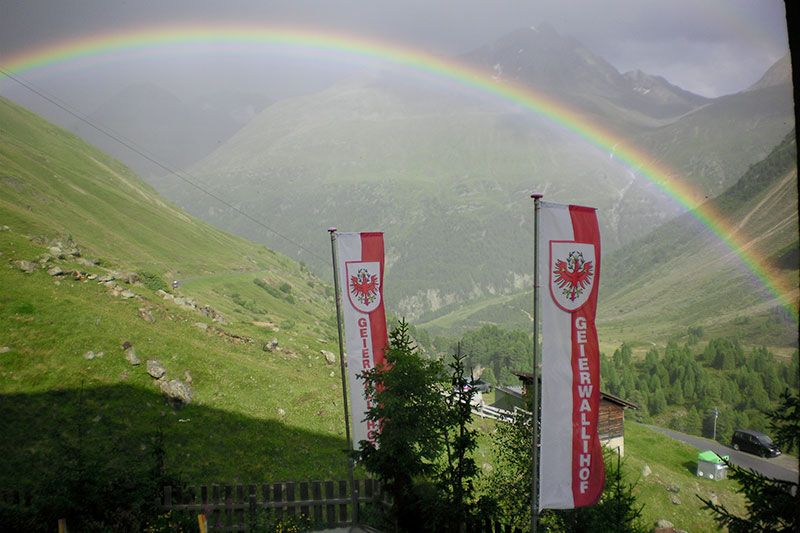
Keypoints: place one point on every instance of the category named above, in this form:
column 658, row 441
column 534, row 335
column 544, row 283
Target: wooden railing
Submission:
column 238, row 507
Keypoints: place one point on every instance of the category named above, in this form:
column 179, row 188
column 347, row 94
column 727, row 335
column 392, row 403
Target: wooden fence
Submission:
column 240, row 507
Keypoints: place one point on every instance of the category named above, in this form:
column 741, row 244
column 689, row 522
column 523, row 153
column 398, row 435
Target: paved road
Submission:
column 781, row 467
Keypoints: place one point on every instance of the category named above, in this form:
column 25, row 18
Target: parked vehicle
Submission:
column 754, row 442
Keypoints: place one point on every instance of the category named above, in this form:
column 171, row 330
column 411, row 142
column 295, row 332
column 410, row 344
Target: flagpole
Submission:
column 535, row 382
column 337, row 298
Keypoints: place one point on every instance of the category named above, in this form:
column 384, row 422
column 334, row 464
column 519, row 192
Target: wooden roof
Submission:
column 527, row 377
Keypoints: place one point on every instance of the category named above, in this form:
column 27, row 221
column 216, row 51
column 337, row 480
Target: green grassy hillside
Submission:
column 681, row 275
column 255, row 414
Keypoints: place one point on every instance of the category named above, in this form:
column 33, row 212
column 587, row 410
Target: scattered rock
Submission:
column 176, row 390
column 130, row 356
column 86, row 262
column 106, row 278
column 155, row 369
column 330, row 358
column 271, row 346
column 55, row 271
column 187, row 377
column 675, row 500
column 646, row 470
column 44, row 259
column 55, row 251
column 486, row 467
column 146, row 315
column 714, row 499
column 130, row 277
column 664, row 524
column 332, row 374
column 5, row 228
column 88, row 355
column 672, row 487
column 127, row 294
column 201, row 326
column 26, row 266
column 281, row 412
column 73, row 252
column 91, row 276
column 4, row 349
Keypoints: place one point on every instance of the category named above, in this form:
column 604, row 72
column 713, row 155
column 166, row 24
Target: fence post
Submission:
column 343, row 517
column 316, row 494
column 331, row 508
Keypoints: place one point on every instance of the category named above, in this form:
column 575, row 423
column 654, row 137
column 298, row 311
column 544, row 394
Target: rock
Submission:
column 672, row 487
column 55, row 271
column 130, row 356
column 73, row 252
column 714, row 499
column 155, row 369
column 176, row 390
column 664, row 524
column 646, row 470
column 271, row 346
column 44, row 259
column 187, row 377
column 486, row 467
column 105, row 279
column 86, row 262
column 4, row 349
column 55, row 251
column 89, row 355
column 131, row 277
column 146, row 315
column 330, row 358
column 202, row 326
column 26, row 266
column 281, row 412
column 675, row 500
column 5, row 228
column 91, row 276
column 127, row 294
column 332, row 374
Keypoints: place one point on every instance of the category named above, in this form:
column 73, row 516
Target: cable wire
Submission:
column 130, row 145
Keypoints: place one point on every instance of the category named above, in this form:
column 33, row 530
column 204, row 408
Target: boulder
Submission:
column 271, row 346
column 201, row 326
column 146, row 315
column 130, row 356
column 131, row 277
column 176, row 391
column 675, row 500
column 55, row 251
column 664, row 524
column 187, row 377
column 672, row 487
column 26, row 266
column 330, row 358
column 281, row 412
column 4, row 349
column 646, row 471
column 155, row 369
column 127, row 294
column 55, row 271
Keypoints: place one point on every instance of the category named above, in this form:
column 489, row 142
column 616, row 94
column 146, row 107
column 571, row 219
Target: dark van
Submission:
column 754, row 442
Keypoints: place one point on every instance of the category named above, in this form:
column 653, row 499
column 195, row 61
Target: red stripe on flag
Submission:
column 588, row 472
column 372, row 250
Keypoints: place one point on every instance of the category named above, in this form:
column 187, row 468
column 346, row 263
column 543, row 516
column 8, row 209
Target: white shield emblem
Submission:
column 364, row 284
column 572, row 273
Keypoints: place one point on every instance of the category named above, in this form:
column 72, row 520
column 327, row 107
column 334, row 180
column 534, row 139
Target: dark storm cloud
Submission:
column 709, row 46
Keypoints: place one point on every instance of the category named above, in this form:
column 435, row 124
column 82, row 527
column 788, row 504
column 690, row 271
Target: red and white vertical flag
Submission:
column 360, row 265
column 571, row 458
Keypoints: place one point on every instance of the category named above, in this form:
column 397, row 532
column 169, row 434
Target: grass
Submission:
column 673, row 465
column 255, row 415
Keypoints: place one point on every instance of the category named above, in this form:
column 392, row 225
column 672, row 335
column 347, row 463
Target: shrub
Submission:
column 152, row 281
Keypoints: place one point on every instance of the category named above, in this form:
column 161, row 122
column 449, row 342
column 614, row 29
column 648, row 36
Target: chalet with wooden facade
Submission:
column 611, row 424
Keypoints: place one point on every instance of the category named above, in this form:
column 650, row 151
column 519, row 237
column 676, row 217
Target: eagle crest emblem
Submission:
column 364, row 285
column 572, row 273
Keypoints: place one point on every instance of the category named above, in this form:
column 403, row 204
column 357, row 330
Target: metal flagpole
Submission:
column 535, row 382
column 337, row 297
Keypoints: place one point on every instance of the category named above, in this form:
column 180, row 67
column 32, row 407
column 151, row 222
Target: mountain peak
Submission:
column 779, row 73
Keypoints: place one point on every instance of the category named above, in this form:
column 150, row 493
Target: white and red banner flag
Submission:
column 360, row 264
column 571, row 459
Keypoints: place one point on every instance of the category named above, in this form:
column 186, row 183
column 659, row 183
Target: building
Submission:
column 611, row 424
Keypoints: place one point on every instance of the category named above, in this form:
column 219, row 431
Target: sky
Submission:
column 711, row 47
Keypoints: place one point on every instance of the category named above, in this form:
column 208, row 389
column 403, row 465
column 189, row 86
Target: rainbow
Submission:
column 143, row 39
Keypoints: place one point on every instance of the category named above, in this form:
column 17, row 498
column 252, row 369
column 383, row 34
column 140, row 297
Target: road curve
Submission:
column 781, row 467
